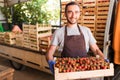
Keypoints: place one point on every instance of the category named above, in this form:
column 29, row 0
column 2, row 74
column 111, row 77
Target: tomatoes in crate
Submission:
column 80, row 64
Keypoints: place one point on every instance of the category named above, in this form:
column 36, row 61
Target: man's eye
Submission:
column 69, row 11
column 77, row 12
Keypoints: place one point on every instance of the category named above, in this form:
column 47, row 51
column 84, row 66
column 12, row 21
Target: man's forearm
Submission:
column 50, row 53
column 49, row 56
column 99, row 52
column 96, row 50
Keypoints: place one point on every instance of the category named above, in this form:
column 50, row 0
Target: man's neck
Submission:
column 71, row 25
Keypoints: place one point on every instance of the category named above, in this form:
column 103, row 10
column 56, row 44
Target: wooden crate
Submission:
column 26, row 41
column 2, row 37
column 102, row 6
column 31, row 34
column 102, row 10
column 34, row 47
column 9, row 35
column 100, row 29
column 89, row 10
column 48, row 33
column 101, row 19
column 26, row 45
column 80, row 21
column 34, row 43
column 44, row 43
column 44, row 48
column 25, row 27
column 100, row 39
column 89, row 19
column 9, row 38
column 10, row 41
column 63, row 16
column 103, row 2
column 19, row 39
column 89, row 3
column 40, row 30
column 84, row 74
column 6, row 73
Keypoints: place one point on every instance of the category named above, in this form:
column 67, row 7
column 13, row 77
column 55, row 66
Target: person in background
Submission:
column 73, row 40
column 16, row 29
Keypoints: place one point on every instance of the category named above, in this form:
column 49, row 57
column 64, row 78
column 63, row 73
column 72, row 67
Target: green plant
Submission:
column 6, row 11
column 32, row 12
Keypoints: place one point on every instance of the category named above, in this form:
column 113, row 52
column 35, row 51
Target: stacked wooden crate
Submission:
column 37, row 32
column 19, row 39
column 44, row 30
column 89, row 8
column 80, row 21
column 44, row 43
column 101, row 18
column 9, row 38
column 32, row 34
column 33, row 37
column 26, row 42
column 64, row 21
column 2, row 37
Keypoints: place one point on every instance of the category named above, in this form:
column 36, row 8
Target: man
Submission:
column 74, row 40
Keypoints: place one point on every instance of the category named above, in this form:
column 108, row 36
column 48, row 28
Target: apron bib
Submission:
column 74, row 45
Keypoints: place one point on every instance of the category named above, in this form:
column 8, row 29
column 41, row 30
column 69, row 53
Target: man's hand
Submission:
column 95, row 49
column 51, row 65
column 107, row 60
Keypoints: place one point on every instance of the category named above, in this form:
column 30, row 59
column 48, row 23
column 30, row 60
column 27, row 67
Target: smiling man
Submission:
column 73, row 40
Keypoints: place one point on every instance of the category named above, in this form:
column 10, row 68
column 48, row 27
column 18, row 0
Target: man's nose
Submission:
column 73, row 14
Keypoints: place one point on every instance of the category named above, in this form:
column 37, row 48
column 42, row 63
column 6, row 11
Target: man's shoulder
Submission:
column 61, row 29
column 84, row 27
column 59, row 32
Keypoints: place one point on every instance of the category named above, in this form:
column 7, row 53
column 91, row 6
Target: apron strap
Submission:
column 66, row 30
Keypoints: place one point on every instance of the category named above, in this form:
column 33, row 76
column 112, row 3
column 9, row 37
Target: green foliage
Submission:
column 6, row 11
column 34, row 11
column 29, row 12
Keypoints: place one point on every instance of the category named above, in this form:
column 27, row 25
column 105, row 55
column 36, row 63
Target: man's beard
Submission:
column 71, row 21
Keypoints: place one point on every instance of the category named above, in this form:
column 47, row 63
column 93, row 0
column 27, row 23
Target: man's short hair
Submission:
column 71, row 3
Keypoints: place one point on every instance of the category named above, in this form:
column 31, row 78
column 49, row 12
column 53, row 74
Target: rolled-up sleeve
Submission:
column 54, row 40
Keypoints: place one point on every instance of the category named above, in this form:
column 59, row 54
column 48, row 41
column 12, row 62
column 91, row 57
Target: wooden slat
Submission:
column 99, row 38
column 88, row 19
column 89, row 11
column 102, row 10
column 82, row 74
column 100, row 43
column 89, row 3
column 103, row 2
column 89, row 24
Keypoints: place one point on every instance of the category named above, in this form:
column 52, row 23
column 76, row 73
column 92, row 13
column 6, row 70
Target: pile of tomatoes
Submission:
column 80, row 64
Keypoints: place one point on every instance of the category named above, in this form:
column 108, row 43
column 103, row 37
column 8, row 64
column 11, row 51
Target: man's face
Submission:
column 72, row 14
